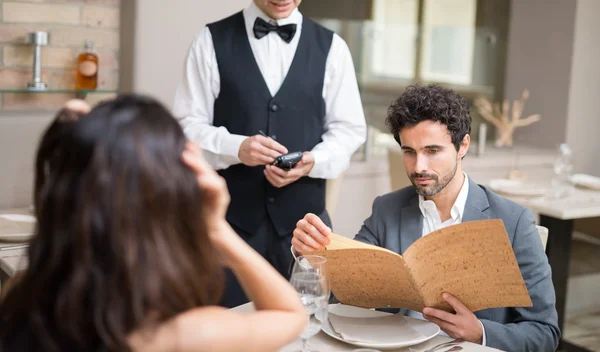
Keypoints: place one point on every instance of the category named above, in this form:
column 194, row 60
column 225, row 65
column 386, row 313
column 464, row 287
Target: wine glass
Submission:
column 563, row 166
column 311, row 263
column 309, row 280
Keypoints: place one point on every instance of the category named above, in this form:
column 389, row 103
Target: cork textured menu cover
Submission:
column 473, row 261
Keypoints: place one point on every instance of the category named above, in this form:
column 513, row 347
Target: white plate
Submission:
column 429, row 330
column 587, row 181
column 16, row 237
column 18, row 218
column 516, row 188
column 20, row 236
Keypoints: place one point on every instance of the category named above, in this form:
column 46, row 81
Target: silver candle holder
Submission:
column 38, row 39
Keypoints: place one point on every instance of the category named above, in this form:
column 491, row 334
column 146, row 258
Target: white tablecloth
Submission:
column 324, row 343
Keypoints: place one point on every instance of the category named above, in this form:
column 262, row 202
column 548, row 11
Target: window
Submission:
column 448, row 41
column 421, row 40
column 392, row 36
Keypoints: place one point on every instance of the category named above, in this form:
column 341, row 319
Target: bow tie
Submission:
column 262, row 28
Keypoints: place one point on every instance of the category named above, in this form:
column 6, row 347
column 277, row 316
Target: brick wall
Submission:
column 69, row 23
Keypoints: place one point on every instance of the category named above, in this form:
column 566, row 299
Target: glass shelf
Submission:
column 79, row 93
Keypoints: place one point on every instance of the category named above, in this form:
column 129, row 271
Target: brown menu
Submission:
column 473, row 261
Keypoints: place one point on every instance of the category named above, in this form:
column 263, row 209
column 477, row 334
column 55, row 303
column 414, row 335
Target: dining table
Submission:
column 13, row 252
column 558, row 214
column 324, row 343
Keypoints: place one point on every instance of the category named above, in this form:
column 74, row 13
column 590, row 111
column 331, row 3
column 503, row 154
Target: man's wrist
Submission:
column 308, row 169
column 231, row 144
column 310, row 164
column 482, row 341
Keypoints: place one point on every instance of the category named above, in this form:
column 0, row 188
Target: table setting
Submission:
column 377, row 330
column 558, row 201
column 333, row 327
column 564, row 184
column 16, row 228
column 576, row 184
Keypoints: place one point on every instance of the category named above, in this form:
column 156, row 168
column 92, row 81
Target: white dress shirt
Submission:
column 431, row 216
column 433, row 222
column 345, row 127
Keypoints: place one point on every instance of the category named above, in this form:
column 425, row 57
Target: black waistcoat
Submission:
column 295, row 116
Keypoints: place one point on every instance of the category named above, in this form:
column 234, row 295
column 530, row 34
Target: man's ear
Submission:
column 464, row 146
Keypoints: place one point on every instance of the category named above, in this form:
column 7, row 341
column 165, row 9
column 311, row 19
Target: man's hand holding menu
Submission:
column 446, row 275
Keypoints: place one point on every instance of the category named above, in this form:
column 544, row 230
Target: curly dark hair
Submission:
column 434, row 103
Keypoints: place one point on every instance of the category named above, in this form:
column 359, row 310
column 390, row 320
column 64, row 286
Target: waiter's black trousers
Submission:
column 273, row 247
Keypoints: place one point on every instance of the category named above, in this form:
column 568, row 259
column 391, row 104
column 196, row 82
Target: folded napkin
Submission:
column 386, row 329
column 587, row 181
column 15, row 228
column 516, row 188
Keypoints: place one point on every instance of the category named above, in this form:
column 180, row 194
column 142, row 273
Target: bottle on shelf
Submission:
column 87, row 67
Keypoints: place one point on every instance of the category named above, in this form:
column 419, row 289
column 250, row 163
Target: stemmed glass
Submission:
column 310, row 281
column 563, row 166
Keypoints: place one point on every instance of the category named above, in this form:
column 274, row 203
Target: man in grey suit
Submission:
column 432, row 126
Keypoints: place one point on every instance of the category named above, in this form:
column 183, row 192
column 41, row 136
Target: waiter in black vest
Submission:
column 269, row 69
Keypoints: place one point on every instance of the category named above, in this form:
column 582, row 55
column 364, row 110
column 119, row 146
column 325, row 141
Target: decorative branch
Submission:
column 528, row 120
column 499, row 116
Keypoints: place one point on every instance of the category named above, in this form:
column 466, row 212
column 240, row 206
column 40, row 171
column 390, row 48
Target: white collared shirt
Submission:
column 431, row 217
column 345, row 127
column 433, row 222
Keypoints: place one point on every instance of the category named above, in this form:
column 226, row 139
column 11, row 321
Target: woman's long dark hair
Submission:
column 120, row 241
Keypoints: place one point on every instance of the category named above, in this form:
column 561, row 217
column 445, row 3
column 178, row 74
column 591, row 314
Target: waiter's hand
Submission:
column 462, row 325
column 260, row 150
column 279, row 177
column 311, row 234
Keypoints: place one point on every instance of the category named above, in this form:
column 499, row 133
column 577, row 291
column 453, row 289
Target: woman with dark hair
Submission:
column 129, row 245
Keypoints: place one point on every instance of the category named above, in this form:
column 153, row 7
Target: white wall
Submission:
column 540, row 47
column 583, row 127
column 156, row 37
column 554, row 50
column 19, row 138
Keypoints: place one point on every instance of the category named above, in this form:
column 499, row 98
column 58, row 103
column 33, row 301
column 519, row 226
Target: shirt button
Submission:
column 274, row 107
column 271, row 200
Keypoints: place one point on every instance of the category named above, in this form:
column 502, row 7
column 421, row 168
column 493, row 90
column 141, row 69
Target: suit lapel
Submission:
column 477, row 204
column 411, row 223
column 411, row 219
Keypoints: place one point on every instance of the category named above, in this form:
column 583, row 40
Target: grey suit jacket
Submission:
column 396, row 222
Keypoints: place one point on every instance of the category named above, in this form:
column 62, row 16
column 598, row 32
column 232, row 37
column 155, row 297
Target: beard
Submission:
column 437, row 186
